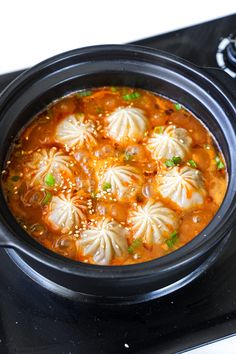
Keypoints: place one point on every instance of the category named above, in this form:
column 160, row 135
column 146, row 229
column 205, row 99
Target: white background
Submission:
column 31, row 31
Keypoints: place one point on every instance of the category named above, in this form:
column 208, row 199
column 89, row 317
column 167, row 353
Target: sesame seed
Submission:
column 196, row 219
column 136, row 256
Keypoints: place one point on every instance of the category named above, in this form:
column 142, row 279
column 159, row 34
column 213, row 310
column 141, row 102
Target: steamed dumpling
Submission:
column 150, row 221
column 122, row 181
column 65, row 213
column 169, row 143
column 74, row 130
column 48, row 161
column 184, row 186
column 104, row 241
column 127, row 124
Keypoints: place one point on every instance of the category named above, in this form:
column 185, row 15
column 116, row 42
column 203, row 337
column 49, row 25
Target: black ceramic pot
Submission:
column 119, row 66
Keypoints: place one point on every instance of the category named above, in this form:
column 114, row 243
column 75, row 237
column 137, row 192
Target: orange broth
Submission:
column 30, row 203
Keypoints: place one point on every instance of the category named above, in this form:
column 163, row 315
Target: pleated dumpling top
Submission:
column 127, row 124
column 75, row 131
column 182, row 185
column 103, row 241
column 48, row 161
column 121, row 181
column 151, row 221
column 167, row 142
column 65, row 213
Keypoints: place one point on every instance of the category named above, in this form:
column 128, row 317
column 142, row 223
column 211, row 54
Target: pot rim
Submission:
column 195, row 248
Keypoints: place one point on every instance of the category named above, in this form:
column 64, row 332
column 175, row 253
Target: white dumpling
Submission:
column 150, row 221
column 127, row 124
column 65, row 213
column 48, row 161
column 184, row 186
column 104, row 241
column 168, row 143
column 74, row 130
column 122, row 180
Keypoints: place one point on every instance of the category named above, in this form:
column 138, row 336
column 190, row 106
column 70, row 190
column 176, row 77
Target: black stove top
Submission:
column 34, row 320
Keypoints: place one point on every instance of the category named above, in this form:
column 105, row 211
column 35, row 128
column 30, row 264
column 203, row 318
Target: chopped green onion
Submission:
column 219, row 163
column 176, row 160
column 15, row 178
column 131, row 96
column 173, row 238
column 178, row 106
column 127, row 157
column 135, row 244
column 106, row 186
column 47, row 198
column 192, row 163
column 169, row 163
column 113, row 89
column 84, row 93
column 158, row 130
column 50, row 180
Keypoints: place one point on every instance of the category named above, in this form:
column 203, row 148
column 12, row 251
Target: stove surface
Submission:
column 34, row 320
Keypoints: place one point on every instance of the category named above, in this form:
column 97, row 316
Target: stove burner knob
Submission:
column 226, row 55
column 231, row 51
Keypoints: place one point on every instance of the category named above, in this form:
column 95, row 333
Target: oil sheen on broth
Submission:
column 115, row 176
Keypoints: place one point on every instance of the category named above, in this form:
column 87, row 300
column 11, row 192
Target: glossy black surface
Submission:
column 34, row 320
column 197, row 44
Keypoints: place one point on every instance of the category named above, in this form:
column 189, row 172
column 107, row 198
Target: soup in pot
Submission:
column 114, row 176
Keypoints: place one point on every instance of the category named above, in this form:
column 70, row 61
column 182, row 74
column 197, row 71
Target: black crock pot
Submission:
column 119, row 65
